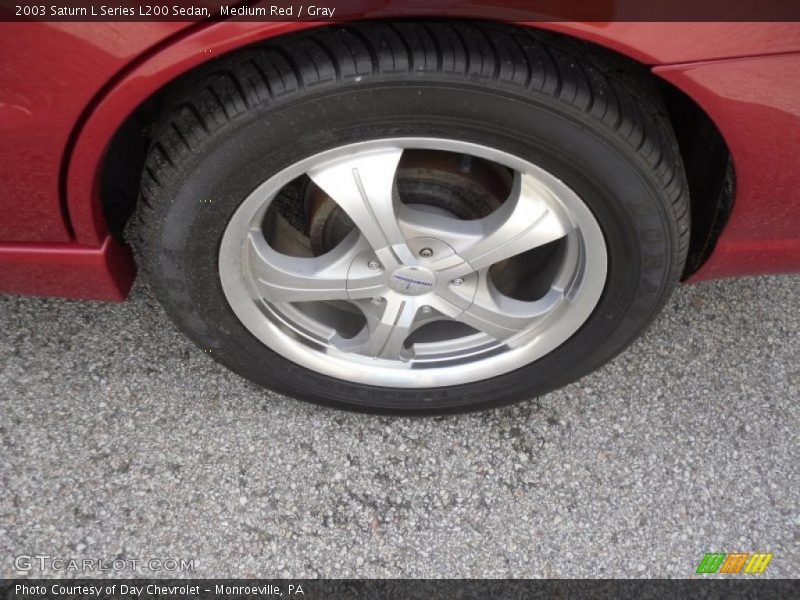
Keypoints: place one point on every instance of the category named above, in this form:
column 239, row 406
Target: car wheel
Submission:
column 414, row 218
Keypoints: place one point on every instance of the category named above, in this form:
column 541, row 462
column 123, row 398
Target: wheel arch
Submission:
column 105, row 166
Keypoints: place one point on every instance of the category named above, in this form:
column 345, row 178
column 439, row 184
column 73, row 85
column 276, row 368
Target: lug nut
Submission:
column 426, row 253
column 426, row 309
column 374, row 265
column 457, row 281
column 377, row 300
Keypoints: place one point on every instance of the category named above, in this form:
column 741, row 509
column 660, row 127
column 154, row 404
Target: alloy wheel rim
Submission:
column 416, row 281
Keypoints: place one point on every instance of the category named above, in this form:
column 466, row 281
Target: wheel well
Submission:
column 706, row 158
column 709, row 171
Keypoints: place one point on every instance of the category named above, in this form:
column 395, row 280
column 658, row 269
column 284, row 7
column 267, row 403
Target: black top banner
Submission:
column 345, row 10
column 413, row 589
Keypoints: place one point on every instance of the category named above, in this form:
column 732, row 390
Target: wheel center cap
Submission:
column 412, row 281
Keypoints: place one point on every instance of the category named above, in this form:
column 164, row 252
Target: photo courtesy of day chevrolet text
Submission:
column 150, row 590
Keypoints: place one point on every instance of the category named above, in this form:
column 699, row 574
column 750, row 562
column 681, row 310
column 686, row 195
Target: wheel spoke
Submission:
column 283, row 278
column 364, row 188
column 503, row 317
column 386, row 331
column 527, row 219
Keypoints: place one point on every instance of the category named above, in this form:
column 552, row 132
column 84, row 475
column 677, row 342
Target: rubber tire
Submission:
column 593, row 120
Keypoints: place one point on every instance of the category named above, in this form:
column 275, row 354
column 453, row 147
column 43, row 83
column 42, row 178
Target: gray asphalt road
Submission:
column 119, row 439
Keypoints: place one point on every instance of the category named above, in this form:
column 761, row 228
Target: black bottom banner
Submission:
column 402, row 589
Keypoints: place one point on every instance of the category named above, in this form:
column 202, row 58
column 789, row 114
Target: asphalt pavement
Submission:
column 119, row 440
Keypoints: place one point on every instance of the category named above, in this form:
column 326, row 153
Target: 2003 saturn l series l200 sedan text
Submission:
column 148, row 10
column 399, row 215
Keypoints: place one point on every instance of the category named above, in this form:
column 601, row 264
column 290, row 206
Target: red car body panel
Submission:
column 69, row 270
column 755, row 103
column 65, row 88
